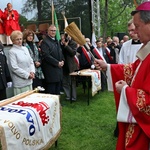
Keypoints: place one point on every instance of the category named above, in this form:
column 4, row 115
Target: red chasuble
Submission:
column 11, row 21
column 1, row 22
column 134, row 136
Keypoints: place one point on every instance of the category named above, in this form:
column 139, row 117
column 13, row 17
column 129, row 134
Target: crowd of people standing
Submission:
column 126, row 62
column 51, row 61
column 57, row 55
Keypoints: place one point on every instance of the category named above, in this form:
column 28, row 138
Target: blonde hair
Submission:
column 130, row 22
column 15, row 34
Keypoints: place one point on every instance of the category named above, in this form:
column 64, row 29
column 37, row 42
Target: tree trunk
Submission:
column 39, row 5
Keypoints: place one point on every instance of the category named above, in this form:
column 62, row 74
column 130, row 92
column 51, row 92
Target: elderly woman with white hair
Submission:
column 21, row 64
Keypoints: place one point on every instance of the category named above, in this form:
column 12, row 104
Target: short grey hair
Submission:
column 145, row 16
column 52, row 25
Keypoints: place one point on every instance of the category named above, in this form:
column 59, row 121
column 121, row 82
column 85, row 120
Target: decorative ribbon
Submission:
column 86, row 54
column 108, row 53
column 97, row 53
column 77, row 61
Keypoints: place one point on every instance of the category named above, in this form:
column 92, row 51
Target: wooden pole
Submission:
column 17, row 97
column 52, row 7
column 135, row 3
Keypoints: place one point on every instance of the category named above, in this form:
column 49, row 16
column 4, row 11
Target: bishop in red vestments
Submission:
column 11, row 21
column 131, row 86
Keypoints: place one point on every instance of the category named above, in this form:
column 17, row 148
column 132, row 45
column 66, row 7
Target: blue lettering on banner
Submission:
column 29, row 117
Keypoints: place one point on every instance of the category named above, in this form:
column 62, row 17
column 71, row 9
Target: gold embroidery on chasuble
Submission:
column 141, row 102
column 128, row 73
column 129, row 133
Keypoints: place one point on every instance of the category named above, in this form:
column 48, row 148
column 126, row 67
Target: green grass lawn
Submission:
column 88, row 127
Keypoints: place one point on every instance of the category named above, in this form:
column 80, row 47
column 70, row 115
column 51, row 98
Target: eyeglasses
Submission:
column 52, row 30
column 19, row 39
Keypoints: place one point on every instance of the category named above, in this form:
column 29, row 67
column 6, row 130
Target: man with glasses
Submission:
column 52, row 61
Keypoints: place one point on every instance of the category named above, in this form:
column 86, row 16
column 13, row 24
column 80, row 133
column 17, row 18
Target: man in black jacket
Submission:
column 69, row 48
column 4, row 74
column 52, row 62
column 102, row 51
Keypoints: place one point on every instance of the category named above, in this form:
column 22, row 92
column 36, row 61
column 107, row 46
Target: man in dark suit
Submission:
column 4, row 74
column 102, row 51
column 52, row 62
column 69, row 48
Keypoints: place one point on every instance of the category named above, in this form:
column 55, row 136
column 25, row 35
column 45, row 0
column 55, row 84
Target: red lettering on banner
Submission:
column 40, row 107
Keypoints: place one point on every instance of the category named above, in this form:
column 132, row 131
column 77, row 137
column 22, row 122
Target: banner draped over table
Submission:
column 95, row 78
column 30, row 123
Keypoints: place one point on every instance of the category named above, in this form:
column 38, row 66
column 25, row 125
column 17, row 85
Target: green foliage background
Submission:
column 116, row 22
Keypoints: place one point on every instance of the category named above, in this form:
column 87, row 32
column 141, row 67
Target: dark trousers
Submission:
column 53, row 88
column 3, row 94
column 37, row 82
column 116, row 131
column 103, row 82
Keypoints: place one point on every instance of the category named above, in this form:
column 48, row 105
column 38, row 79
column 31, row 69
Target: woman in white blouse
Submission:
column 21, row 64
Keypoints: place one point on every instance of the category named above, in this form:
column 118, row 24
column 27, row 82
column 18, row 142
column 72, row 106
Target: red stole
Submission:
column 108, row 53
column 86, row 54
column 97, row 53
column 77, row 61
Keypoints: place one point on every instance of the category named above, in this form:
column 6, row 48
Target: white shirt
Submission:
column 100, row 50
column 128, row 52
